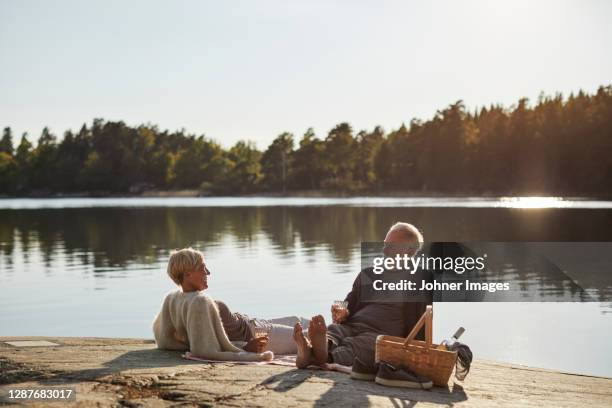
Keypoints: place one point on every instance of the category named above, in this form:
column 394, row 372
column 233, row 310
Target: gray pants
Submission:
column 281, row 332
column 350, row 340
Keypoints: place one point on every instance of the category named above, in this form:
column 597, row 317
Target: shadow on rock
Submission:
column 131, row 360
column 345, row 391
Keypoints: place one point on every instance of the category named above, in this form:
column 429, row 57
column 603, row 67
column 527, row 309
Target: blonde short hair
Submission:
column 182, row 261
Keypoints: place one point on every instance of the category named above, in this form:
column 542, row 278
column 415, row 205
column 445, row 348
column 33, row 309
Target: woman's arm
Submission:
column 207, row 337
column 165, row 333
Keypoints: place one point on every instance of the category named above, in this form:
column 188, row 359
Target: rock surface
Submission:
column 132, row 373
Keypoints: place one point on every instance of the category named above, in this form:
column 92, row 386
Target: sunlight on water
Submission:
column 535, row 202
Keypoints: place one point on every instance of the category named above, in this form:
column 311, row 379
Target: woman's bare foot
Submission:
column 304, row 349
column 317, row 331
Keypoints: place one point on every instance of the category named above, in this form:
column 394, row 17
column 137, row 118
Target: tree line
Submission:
column 560, row 146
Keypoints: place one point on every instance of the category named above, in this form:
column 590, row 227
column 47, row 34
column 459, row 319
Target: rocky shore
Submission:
column 133, row 373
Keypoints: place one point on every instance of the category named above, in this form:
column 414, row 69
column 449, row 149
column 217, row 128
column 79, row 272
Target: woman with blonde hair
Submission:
column 191, row 320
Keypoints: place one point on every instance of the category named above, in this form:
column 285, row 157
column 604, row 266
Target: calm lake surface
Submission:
column 96, row 267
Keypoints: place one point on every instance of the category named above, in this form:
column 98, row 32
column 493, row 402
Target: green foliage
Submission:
column 340, row 153
column 8, row 173
column 6, row 143
column 383, row 166
column 308, row 163
column 276, row 162
column 23, row 157
column 368, row 144
column 244, row 169
column 43, row 162
column 200, row 162
column 557, row 146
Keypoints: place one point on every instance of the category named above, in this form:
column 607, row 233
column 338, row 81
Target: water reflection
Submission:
column 100, row 271
column 116, row 237
column 112, row 241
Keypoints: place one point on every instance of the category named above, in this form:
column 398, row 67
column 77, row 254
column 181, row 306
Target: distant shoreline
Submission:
column 301, row 194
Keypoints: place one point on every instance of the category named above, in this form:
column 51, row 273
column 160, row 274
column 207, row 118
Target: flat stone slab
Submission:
column 133, row 373
column 31, row 343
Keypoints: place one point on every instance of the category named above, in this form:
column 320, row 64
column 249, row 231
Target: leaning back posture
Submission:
column 190, row 320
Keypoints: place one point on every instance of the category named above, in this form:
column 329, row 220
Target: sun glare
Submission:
column 534, row 202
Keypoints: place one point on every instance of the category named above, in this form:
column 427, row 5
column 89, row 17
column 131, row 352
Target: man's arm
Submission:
column 354, row 296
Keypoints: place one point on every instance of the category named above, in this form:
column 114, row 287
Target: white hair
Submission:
column 409, row 232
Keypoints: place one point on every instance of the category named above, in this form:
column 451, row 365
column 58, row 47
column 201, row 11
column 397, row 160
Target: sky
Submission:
column 250, row 70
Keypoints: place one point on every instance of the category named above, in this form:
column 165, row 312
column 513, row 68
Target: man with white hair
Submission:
column 352, row 337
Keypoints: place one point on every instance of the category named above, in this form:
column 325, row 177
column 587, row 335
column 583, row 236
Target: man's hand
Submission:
column 257, row 345
column 339, row 314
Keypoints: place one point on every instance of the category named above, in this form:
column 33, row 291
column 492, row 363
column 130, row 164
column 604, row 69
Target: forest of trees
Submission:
column 559, row 146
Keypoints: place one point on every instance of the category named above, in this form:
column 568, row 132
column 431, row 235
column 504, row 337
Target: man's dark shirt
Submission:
column 393, row 318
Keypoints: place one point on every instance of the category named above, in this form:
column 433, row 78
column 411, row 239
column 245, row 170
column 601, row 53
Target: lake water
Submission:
column 96, row 267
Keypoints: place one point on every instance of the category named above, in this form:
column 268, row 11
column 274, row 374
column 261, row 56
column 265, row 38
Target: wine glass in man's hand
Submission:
column 339, row 311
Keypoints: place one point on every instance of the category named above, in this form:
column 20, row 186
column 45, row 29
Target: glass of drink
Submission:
column 341, row 304
column 260, row 336
column 259, row 332
column 339, row 310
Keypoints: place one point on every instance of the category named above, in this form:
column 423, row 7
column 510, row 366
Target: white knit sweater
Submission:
column 191, row 321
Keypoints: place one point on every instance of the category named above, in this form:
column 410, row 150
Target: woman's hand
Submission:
column 257, row 344
column 339, row 314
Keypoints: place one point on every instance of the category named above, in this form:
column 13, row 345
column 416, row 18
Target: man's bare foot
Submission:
column 317, row 331
column 304, row 349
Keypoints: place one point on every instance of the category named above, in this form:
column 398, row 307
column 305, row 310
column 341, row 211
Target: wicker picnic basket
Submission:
column 422, row 357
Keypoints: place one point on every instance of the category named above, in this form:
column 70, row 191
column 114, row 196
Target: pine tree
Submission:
column 6, row 143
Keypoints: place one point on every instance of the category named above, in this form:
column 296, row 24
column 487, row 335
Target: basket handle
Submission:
column 426, row 319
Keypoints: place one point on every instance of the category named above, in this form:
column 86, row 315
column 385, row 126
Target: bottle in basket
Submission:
column 446, row 344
